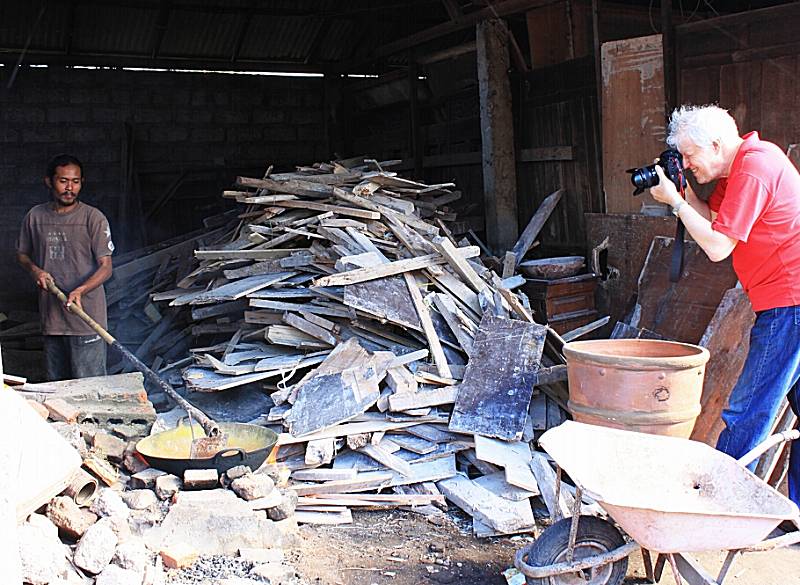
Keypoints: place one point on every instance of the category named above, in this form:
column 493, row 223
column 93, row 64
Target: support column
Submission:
column 497, row 136
column 415, row 138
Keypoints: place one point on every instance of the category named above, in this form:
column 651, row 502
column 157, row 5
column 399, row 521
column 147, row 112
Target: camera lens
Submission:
column 645, row 177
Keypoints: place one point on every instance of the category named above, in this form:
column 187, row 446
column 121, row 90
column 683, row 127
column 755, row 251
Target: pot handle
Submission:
column 228, row 452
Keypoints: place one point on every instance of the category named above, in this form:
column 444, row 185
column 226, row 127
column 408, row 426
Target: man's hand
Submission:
column 665, row 191
column 42, row 278
column 75, row 297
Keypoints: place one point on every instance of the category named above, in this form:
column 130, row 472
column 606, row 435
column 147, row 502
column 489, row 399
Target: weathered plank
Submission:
column 499, row 378
column 501, row 514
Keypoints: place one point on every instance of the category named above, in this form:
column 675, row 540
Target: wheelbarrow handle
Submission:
column 767, row 444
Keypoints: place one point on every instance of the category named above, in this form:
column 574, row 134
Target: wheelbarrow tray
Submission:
column 669, row 494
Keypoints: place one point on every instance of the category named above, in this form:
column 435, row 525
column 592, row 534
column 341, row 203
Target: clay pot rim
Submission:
column 696, row 355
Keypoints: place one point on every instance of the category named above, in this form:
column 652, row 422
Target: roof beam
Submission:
column 162, row 23
column 499, row 10
column 244, row 25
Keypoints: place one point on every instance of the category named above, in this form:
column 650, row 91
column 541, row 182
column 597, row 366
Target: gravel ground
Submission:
column 210, row 567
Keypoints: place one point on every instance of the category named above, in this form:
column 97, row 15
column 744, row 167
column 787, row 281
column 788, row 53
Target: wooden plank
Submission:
column 514, row 457
column 497, row 484
column 323, row 474
column 501, row 514
column 498, row 381
column 450, row 312
column 727, row 339
column 391, row 268
column 253, row 254
column 298, row 187
column 427, row 326
column 331, row 397
column 422, row 398
column 309, row 328
column 337, row 209
column 323, row 518
column 387, row 459
column 546, row 480
column 401, row 380
column 240, row 288
column 202, row 380
column 457, row 261
column 680, row 310
column 414, row 444
column 535, row 225
column 331, row 311
column 346, row 429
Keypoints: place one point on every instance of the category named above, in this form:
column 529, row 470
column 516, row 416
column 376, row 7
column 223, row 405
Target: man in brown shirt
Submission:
column 68, row 242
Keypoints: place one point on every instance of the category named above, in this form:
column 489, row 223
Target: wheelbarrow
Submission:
column 669, row 495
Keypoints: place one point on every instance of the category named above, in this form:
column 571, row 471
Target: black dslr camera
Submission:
column 645, row 177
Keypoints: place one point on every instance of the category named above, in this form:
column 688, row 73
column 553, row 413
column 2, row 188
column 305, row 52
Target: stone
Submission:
column 121, row 528
column 60, row 410
column 146, row 478
column 289, row 531
column 253, row 486
column 108, row 445
column 132, row 555
column 154, row 573
column 140, row 499
column 133, row 462
column 40, row 409
column 97, row 547
column 217, row 523
column 41, row 554
column 71, row 520
column 109, row 503
column 116, row 575
column 286, row 508
column 43, row 522
column 261, row 555
column 273, row 499
column 73, row 435
column 167, row 486
column 200, row 479
column 238, row 471
column 178, row 555
column 275, row 573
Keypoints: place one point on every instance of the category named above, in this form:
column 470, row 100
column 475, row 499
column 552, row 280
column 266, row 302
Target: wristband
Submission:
column 677, row 208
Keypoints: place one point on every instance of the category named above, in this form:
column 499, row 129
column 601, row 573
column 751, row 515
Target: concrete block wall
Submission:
column 234, row 123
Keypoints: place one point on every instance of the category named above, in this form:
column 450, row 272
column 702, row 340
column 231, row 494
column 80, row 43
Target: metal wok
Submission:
column 170, row 450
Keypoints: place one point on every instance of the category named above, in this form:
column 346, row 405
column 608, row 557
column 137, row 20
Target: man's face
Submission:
column 706, row 163
column 65, row 184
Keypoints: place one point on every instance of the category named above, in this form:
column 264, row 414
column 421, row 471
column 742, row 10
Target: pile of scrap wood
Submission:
column 395, row 358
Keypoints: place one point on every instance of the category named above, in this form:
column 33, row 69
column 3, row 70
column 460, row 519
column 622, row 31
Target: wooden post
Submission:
column 668, row 48
column 415, row 139
column 497, row 134
column 333, row 89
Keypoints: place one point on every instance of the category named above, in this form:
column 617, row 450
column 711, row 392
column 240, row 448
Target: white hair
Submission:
column 702, row 125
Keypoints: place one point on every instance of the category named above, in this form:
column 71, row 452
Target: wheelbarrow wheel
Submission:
column 595, row 536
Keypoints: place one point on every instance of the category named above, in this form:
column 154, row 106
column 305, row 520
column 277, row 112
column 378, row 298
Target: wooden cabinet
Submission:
column 564, row 303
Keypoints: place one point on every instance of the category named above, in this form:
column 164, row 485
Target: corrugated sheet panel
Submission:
column 17, row 20
column 197, row 34
column 113, row 29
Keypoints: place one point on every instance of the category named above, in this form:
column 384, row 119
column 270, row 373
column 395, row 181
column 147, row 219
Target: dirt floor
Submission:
column 403, row 548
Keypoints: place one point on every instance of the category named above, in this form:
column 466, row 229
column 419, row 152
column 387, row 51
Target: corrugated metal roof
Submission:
column 302, row 32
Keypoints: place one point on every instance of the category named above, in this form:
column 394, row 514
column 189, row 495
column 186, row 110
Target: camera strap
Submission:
column 676, row 263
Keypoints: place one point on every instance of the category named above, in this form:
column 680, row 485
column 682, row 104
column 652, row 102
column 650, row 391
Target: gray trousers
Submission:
column 74, row 356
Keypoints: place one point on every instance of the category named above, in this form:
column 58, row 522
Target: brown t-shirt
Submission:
column 68, row 246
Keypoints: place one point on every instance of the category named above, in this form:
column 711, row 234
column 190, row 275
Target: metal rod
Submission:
column 767, row 444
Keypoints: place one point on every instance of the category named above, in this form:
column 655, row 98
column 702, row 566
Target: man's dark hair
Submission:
column 61, row 160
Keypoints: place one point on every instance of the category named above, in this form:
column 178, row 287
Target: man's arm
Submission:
column 102, row 274
column 716, row 245
column 40, row 277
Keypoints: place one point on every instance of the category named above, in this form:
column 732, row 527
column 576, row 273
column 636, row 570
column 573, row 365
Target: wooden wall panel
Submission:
column 633, row 117
column 748, row 63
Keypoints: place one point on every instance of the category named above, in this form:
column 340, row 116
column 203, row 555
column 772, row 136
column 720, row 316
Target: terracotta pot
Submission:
column 640, row 385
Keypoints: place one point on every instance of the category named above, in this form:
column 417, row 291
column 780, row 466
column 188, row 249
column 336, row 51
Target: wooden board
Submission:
column 727, row 338
column 332, row 395
column 499, row 378
column 501, row 514
column 680, row 310
column 633, row 116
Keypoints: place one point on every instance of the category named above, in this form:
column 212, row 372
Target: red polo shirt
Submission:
column 759, row 205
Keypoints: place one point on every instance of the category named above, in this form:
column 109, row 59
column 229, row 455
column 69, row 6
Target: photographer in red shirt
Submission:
column 753, row 214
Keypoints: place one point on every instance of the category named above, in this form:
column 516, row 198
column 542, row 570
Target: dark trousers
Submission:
column 74, row 356
column 770, row 374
